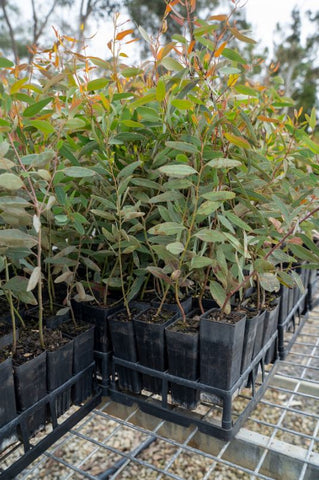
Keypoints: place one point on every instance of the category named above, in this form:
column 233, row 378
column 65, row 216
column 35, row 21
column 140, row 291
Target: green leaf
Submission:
column 238, row 141
column 281, row 256
column 144, row 35
column 310, row 244
column 237, row 221
column 160, row 90
column 217, row 292
column 103, row 214
column 175, row 248
column 5, row 63
column 16, row 238
column 245, row 90
column 100, row 63
column 261, row 266
column 131, row 72
column 75, row 124
column 132, row 124
column 13, row 202
column 182, row 104
column 166, row 197
column 135, row 288
column 90, row 264
column 16, row 284
column 159, row 273
column 129, row 169
column 78, row 172
column 97, row 84
column 286, row 279
column 38, row 160
column 242, row 37
column 298, row 281
column 45, row 127
column 233, row 56
column 34, row 279
column 166, row 228
column 9, row 181
column 223, row 163
column 303, row 253
column 178, row 184
column 313, row 146
column 182, row 146
column 145, row 182
column 269, row 282
column 171, row 64
column 201, row 262
column 179, row 38
column 36, row 107
column 177, row 170
column 129, row 137
column 313, row 119
column 219, row 196
column 208, row 207
column 61, row 219
column 210, row 236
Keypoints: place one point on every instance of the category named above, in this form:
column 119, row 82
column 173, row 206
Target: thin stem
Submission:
column 13, row 320
column 179, row 303
column 162, row 301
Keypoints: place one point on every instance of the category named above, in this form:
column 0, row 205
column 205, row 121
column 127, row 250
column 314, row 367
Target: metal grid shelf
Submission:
column 280, row 440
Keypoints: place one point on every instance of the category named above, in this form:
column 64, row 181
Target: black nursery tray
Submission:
column 20, row 424
column 289, row 328
column 221, row 418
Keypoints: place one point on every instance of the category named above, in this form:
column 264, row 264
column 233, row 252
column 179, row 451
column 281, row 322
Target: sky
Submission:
column 262, row 14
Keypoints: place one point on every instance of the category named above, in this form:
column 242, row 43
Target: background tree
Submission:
column 297, row 62
column 20, row 39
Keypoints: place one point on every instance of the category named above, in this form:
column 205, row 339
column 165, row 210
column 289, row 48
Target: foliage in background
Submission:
column 297, row 62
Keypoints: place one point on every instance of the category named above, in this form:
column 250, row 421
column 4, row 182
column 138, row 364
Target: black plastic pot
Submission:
column 59, row 370
column 208, row 303
column 31, row 385
column 124, row 346
column 83, row 356
column 221, row 347
column 151, row 349
column 249, row 341
column 259, row 333
column 97, row 316
column 270, row 326
column 183, row 361
column 284, row 304
column 8, row 410
column 55, row 321
column 7, row 339
column 77, row 310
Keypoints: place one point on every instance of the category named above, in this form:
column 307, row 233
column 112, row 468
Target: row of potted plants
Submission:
column 182, row 178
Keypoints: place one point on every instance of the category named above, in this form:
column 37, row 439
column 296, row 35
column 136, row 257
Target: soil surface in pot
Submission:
column 190, row 325
column 47, row 311
column 150, row 316
column 122, row 316
column 269, row 304
column 110, row 302
column 232, row 317
column 70, row 329
column 29, row 347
